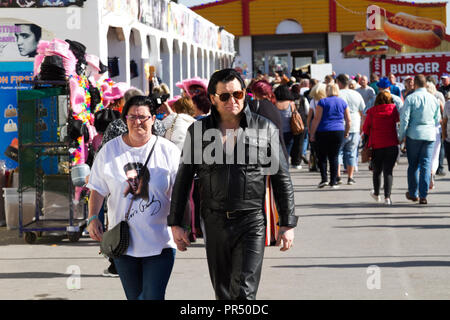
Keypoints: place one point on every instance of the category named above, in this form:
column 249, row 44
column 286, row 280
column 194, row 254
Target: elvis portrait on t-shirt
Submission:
column 138, row 178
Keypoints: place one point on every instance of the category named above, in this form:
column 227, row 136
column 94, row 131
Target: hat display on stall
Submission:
column 383, row 83
column 56, row 47
column 79, row 50
column 186, row 84
column 77, row 96
column 115, row 92
column 93, row 61
column 52, row 68
column 41, row 47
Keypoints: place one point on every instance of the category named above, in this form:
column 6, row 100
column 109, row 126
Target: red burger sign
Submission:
column 403, row 66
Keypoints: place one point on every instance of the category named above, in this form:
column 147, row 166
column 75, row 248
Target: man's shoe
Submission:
column 305, row 160
column 411, row 198
column 377, row 198
column 387, row 202
column 296, row 166
column 441, row 173
column 423, row 201
column 338, row 180
column 322, row 184
column 351, row 181
column 334, row 186
column 107, row 273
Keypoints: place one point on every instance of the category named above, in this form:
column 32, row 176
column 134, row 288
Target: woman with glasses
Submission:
column 142, row 192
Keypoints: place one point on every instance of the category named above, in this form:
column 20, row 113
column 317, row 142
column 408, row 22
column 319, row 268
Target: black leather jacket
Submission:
column 236, row 184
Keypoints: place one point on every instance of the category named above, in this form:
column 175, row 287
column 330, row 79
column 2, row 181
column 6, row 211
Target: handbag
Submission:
column 115, row 241
column 10, row 126
column 272, row 217
column 10, row 111
column 297, row 126
column 366, row 152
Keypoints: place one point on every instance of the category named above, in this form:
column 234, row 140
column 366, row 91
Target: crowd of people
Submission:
column 175, row 199
column 346, row 113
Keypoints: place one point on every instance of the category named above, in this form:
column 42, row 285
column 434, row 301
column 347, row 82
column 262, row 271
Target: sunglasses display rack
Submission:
column 42, row 111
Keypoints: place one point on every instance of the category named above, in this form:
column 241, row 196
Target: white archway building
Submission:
column 140, row 33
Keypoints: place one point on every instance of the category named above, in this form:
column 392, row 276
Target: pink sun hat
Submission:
column 93, row 61
column 117, row 91
column 185, row 84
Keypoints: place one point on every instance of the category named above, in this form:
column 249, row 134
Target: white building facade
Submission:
column 171, row 38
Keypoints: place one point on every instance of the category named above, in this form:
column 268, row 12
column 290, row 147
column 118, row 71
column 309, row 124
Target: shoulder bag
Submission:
column 297, row 126
column 115, row 241
column 366, row 152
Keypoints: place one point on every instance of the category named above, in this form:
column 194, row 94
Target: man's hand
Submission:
column 181, row 237
column 285, row 236
column 95, row 230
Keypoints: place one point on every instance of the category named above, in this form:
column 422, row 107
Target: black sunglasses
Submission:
column 224, row 97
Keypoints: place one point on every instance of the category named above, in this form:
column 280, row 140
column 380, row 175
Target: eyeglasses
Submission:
column 196, row 91
column 224, row 97
column 140, row 118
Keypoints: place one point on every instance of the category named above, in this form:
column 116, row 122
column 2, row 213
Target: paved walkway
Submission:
column 346, row 247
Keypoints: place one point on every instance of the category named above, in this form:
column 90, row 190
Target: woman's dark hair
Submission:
column 138, row 101
column 282, row 93
column 202, row 102
column 295, row 90
column 225, row 76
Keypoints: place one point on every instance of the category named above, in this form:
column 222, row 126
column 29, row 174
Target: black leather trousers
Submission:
column 235, row 251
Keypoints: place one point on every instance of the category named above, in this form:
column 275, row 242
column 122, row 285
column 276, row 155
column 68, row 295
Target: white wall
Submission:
column 350, row 66
column 244, row 59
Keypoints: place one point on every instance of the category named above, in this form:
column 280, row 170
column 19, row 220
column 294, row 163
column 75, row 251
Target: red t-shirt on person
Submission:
column 380, row 126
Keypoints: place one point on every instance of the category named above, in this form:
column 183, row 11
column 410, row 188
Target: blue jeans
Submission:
column 348, row 148
column 419, row 154
column 288, row 141
column 145, row 278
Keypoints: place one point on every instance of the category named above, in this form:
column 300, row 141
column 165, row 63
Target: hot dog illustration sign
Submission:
column 398, row 33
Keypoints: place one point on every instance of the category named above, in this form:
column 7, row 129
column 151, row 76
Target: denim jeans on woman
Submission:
column 145, row 278
column 419, row 154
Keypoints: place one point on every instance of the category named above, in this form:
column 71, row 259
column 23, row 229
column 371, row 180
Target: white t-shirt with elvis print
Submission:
column 115, row 172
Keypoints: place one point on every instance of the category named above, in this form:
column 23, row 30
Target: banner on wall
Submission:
column 19, row 40
column 409, row 65
column 40, row 3
column 11, row 73
column 392, row 33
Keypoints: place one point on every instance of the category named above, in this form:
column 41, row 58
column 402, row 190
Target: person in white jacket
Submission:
column 179, row 120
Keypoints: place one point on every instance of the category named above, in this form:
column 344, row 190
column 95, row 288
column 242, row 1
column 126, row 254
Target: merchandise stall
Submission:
column 55, row 132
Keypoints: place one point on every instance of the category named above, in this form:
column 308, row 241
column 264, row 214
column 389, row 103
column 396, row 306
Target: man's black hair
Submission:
column 225, row 76
column 133, row 166
column 33, row 28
